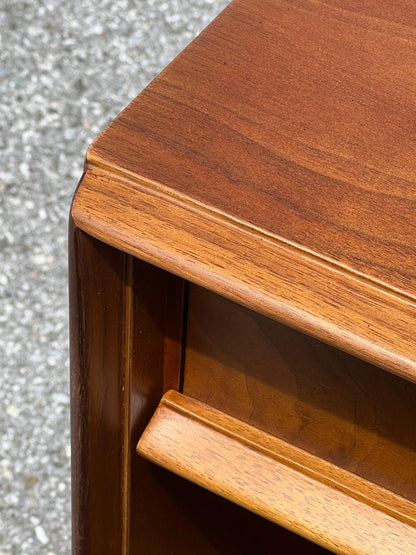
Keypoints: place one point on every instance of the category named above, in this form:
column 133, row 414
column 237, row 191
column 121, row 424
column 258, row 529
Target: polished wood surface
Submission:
column 126, row 351
column 305, row 392
column 310, row 140
column 337, row 308
column 276, row 480
column 98, row 402
column 244, row 234
column 280, row 170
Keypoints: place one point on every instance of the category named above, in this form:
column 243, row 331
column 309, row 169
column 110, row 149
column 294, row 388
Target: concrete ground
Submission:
column 66, row 69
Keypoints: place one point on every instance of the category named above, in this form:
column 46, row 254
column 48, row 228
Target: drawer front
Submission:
column 313, row 396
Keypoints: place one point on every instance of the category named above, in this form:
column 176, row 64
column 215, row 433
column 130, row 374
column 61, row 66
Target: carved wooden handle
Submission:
column 284, row 484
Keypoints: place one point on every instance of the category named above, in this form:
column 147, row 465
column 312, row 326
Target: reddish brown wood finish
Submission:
column 278, row 171
column 126, row 344
column 276, row 480
column 270, row 163
column 126, row 325
column 305, row 392
column 246, row 267
column 310, row 140
column 97, row 288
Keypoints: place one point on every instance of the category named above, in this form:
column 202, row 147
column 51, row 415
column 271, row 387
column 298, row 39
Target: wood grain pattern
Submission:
column 277, row 171
column 275, row 480
column 126, row 348
column 311, row 141
column 313, row 396
column 98, row 286
column 250, row 269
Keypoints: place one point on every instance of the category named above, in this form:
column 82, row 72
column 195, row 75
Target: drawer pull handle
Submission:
column 282, row 483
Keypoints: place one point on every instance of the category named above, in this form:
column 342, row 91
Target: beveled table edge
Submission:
column 248, row 266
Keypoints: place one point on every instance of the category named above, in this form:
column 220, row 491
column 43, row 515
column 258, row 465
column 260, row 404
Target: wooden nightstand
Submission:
column 243, row 293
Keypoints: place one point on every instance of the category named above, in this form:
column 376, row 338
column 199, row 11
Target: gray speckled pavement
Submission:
column 67, row 67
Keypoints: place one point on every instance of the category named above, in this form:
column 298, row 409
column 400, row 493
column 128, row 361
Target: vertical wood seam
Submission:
column 126, row 395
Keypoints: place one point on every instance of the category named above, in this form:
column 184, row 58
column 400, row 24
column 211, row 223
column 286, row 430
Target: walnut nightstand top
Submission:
column 274, row 162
